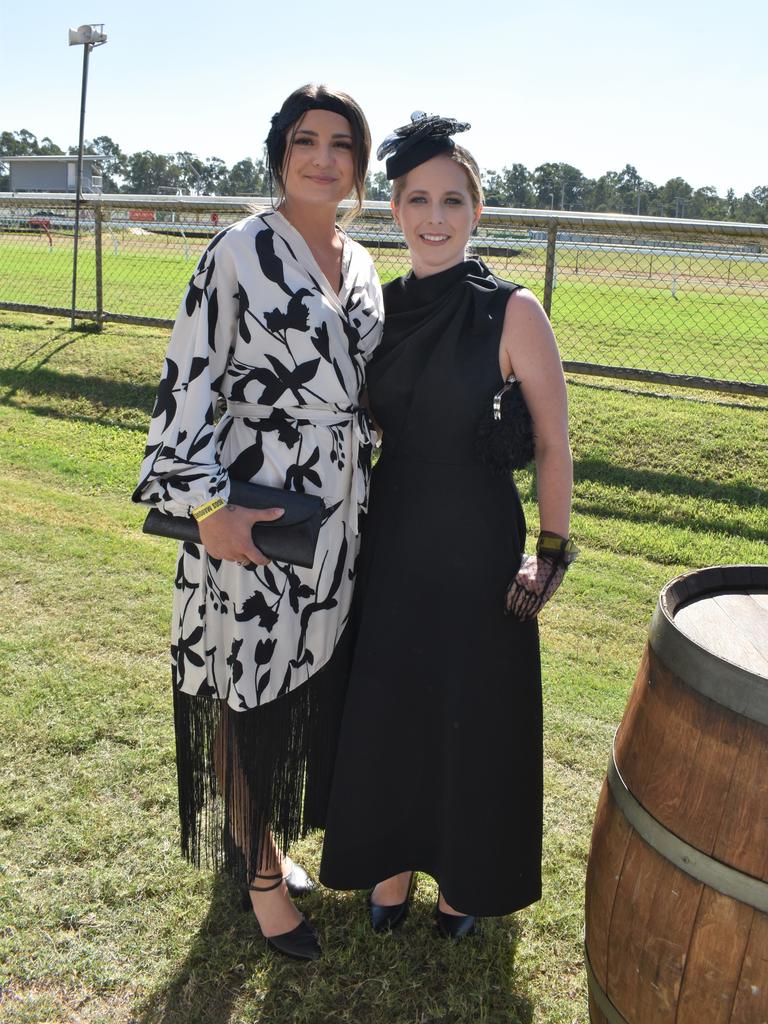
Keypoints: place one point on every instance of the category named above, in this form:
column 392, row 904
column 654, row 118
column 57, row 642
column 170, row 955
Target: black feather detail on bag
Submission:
column 505, row 438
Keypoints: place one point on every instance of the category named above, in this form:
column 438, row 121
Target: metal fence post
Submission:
column 549, row 269
column 97, row 225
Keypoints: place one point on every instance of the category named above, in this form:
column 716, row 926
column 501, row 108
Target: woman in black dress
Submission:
column 439, row 766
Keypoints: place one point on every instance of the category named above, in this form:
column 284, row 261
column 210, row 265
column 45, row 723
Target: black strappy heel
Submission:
column 301, row 942
column 297, row 881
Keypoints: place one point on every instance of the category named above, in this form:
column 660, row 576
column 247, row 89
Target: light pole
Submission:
column 86, row 36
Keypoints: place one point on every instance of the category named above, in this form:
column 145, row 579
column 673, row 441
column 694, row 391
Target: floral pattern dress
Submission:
column 264, row 340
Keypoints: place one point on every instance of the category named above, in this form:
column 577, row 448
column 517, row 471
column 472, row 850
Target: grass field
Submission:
column 100, row 920
column 614, row 308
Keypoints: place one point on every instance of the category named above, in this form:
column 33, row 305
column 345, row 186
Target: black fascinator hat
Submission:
column 426, row 136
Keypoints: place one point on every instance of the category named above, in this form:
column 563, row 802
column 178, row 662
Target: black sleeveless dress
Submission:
column 439, row 765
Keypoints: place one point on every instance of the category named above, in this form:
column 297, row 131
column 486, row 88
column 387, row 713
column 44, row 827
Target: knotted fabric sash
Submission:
column 355, row 420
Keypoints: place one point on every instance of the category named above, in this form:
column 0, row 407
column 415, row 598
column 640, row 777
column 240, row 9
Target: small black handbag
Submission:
column 291, row 538
column 505, row 439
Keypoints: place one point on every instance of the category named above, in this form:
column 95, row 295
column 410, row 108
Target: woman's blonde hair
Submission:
column 464, row 159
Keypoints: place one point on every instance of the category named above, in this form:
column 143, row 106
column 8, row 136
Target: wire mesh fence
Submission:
column 36, row 243
column 627, row 296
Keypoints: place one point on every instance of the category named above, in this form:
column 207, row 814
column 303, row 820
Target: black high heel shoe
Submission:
column 300, row 943
column 385, row 919
column 454, row 926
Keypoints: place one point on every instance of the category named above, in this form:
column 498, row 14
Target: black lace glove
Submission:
column 539, row 575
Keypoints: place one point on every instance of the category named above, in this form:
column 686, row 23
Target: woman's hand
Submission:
column 227, row 533
column 536, row 581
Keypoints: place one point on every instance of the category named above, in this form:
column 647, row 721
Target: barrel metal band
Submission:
column 604, row 1004
column 713, row 677
column 702, row 867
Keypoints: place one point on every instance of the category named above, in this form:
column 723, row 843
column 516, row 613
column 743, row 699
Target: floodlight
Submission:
column 87, row 35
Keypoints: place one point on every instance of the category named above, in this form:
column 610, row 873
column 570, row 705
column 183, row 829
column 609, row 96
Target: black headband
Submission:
column 293, row 111
column 290, row 114
column 426, row 136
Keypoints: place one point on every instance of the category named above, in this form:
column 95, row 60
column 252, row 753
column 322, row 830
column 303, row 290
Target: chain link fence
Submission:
column 635, row 297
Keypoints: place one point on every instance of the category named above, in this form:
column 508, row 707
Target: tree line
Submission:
column 550, row 186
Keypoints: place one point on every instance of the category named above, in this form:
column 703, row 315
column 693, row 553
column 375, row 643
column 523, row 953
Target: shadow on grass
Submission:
column 680, row 521
column 100, row 391
column 107, row 394
column 206, row 984
column 655, row 482
column 37, row 381
column 25, row 325
column 603, row 471
column 409, row 977
column 715, row 398
column 45, row 347
column 651, row 481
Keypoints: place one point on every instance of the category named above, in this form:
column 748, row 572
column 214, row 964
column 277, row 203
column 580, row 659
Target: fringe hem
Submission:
column 244, row 775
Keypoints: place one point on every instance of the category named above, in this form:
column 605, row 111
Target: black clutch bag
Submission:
column 291, row 538
column 505, row 438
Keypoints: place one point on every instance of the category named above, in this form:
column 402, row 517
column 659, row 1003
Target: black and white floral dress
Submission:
column 263, row 336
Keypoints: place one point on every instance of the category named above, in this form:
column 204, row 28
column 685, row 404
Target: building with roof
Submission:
column 52, row 173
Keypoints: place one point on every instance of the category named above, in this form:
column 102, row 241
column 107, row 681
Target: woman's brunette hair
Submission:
column 464, row 159
column 285, row 122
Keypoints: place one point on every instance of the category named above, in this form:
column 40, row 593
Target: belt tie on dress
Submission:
column 326, row 416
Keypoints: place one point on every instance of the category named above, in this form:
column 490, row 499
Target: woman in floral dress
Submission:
column 280, row 317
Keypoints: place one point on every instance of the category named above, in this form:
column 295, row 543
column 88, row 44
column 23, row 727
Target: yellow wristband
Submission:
column 207, row 509
column 555, row 547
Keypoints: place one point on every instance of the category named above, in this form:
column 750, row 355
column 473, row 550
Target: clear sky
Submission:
column 674, row 87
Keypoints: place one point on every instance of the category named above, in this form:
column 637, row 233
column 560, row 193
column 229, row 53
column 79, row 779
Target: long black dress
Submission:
column 439, row 766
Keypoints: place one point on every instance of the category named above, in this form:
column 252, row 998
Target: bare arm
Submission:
column 529, row 350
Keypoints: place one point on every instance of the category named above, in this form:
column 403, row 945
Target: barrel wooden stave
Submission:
column 742, row 840
column 751, row 1003
column 611, row 836
column 714, row 966
column 663, row 946
column 653, row 917
column 675, row 749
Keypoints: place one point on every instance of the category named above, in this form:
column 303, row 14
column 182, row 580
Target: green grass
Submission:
column 100, row 919
column 613, row 308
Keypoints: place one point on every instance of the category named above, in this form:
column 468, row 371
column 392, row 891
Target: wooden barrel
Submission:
column 677, row 881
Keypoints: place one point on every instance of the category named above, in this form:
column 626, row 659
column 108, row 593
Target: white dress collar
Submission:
column 304, row 254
